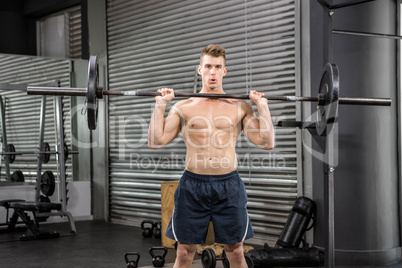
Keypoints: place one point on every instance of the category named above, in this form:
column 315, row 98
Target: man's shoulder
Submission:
column 182, row 106
column 241, row 102
column 184, row 102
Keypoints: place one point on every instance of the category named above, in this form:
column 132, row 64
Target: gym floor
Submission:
column 97, row 244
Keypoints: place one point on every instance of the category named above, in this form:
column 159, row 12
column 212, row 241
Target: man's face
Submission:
column 212, row 70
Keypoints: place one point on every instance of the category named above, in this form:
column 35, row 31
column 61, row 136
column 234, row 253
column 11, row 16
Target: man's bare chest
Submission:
column 212, row 117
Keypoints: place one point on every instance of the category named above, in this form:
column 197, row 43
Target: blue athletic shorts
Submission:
column 200, row 199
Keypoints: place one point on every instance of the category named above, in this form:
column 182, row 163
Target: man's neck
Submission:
column 206, row 90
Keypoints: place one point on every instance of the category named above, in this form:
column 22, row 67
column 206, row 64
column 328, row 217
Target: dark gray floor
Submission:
column 97, row 244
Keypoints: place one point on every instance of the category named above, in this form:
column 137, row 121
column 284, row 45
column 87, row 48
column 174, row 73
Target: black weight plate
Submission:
column 48, row 183
column 327, row 111
column 17, row 176
column 11, row 157
column 208, row 258
column 92, row 101
column 46, row 157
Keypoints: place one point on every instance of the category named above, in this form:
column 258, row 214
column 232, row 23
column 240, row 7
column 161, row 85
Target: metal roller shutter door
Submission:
column 23, row 111
column 154, row 44
column 74, row 33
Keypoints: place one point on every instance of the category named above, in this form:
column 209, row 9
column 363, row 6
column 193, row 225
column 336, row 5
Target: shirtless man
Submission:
column 210, row 188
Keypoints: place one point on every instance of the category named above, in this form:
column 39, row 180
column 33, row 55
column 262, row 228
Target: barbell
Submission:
column 327, row 99
column 11, row 153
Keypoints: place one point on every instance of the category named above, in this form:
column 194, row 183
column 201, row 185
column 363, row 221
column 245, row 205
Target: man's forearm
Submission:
column 266, row 127
column 156, row 126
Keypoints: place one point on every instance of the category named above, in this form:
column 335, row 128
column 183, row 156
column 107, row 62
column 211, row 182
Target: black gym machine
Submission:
column 41, row 208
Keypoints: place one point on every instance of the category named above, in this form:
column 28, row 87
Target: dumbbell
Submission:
column 132, row 263
column 158, row 260
column 147, row 231
column 157, row 230
column 208, row 259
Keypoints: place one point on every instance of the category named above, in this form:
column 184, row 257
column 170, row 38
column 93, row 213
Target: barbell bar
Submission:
column 11, row 152
column 93, row 92
column 35, row 152
column 59, row 91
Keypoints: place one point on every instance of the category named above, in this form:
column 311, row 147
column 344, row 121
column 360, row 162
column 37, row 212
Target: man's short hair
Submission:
column 214, row 50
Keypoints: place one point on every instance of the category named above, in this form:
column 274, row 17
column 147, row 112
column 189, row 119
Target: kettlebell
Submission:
column 132, row 263
column 147, row 231
column 157, row 260
column 157, row 229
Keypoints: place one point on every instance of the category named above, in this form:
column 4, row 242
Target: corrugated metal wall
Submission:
column 23, row 111
column 73, row 27
column 154, row 44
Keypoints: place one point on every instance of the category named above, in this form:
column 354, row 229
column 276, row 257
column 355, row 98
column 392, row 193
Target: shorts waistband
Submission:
column 203, row 177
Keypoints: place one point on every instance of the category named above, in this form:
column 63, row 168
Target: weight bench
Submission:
column 10, row 222
column 40, row 211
